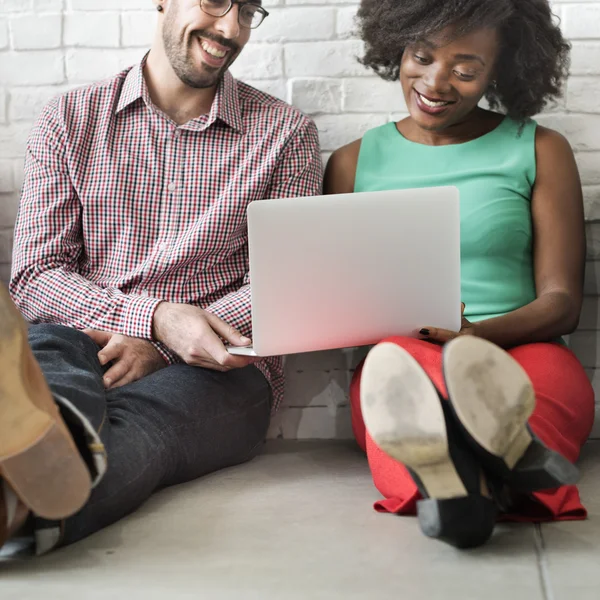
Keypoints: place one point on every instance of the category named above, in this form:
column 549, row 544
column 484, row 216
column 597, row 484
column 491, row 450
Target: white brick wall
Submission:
column 304, row 53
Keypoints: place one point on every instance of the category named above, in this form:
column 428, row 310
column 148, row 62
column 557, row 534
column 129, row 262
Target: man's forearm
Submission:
column 58, row 295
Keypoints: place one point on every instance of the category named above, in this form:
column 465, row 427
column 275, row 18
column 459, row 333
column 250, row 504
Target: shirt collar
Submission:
column 225, row 106
column 134, row 86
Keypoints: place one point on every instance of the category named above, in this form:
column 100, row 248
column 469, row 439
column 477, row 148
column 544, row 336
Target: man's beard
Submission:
column 184, row 66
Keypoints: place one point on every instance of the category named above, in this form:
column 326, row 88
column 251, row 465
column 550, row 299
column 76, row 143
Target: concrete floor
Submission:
column 297, row 523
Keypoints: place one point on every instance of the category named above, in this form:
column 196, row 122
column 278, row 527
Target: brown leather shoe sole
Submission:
column 38, row 456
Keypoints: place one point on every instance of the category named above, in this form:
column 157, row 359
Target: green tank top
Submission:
column 495, row 174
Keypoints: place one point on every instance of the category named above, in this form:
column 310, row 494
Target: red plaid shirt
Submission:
column 122, row 208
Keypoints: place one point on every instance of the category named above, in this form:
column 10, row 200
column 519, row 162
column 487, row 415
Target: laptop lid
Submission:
column 351, row 269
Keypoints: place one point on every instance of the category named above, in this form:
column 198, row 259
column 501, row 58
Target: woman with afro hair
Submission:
column 465, row 428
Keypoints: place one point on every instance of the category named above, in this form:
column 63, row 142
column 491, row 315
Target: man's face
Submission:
column 201, row 47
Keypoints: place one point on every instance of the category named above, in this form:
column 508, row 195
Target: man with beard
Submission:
column 131, row 264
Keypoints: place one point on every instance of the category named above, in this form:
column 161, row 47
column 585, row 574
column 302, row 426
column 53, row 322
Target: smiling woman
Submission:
column 448, row 434
column 531, row 65
column 444, row 77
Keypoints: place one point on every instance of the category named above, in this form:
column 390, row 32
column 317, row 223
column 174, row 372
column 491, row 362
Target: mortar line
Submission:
column 542, row 563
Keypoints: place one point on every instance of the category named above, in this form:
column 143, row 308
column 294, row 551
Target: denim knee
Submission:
column 51, row 334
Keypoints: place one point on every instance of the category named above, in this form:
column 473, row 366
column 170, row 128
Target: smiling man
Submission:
column 131, row 265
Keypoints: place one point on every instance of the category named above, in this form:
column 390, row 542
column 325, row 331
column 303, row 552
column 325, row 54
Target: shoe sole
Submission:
column 402, row 413
column 492, row 397
column 38, row 457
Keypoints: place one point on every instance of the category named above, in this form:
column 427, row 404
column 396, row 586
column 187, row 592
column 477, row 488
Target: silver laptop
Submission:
column 351, row 269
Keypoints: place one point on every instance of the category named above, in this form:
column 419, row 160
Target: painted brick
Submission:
column 92, row 30
column 316, row 95
column 36, row 32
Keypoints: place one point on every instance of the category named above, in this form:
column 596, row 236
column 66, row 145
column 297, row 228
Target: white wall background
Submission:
column 304, row 53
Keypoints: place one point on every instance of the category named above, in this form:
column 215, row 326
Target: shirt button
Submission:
column 172, row 187
column 145, row 293
column 177, row 134
column 162, row 247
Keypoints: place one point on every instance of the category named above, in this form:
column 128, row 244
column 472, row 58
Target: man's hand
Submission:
column 441, row 336
column 133, row 358
column 194, row 334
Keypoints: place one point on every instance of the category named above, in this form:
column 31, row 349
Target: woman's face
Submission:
column 444, row 81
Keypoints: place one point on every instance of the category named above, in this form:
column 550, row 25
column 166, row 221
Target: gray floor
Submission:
column 297, row 523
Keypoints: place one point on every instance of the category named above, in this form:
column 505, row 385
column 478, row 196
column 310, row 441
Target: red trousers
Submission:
column 562, row 419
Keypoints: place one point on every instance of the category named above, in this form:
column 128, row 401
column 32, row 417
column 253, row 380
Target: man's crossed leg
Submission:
column 172, row 426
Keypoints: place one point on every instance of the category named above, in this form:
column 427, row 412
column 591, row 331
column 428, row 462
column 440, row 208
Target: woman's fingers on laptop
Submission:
column 442, row 336
column 437, row 335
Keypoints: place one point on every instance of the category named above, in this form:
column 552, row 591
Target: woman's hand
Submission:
column 442, row 336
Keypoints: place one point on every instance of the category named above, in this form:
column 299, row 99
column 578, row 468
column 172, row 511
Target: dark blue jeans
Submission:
column 172, row 426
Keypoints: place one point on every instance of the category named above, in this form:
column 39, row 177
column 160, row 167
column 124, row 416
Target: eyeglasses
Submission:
column 250, row 15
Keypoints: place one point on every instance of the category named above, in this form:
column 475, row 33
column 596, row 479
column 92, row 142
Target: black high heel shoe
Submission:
column 492, row 399
column 408, row 420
